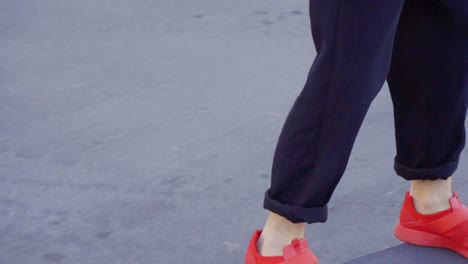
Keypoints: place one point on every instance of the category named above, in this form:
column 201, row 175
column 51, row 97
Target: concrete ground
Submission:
column 409, row 254
column 143, row 132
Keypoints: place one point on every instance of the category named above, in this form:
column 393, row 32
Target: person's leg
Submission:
column 428, row 81
column 354, row 43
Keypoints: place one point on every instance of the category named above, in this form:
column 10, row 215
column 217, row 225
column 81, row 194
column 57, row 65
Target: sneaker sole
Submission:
column 425, row 239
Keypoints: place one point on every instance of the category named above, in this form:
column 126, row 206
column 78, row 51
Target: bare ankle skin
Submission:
column 431, row 196
column 277, row 233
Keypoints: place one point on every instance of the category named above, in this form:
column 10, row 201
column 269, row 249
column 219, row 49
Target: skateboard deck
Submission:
column 409, row 254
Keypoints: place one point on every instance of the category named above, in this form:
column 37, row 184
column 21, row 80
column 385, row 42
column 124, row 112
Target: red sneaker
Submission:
column 447, row 229
column 297, row 252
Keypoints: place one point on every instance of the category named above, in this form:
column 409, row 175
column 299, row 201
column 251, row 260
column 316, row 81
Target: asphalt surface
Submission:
column 143, row 132
column 409, row 254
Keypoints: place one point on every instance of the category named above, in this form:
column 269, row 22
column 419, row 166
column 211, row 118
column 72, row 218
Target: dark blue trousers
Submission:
column 421, row 48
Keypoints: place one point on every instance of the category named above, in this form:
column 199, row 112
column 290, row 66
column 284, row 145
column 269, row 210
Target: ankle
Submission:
column 431, row 196
column 277, row 233
column 430, row 206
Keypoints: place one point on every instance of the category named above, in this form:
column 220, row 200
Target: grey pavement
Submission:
column 143, row 132
column 409, row 254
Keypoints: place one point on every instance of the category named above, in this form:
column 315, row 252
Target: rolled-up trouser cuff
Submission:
column 441, row 172
column 296, row 214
